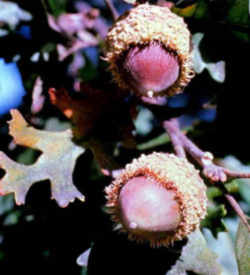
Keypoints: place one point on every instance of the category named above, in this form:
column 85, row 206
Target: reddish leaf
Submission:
column 95, row 109
column 101, row 116
column 82, row 112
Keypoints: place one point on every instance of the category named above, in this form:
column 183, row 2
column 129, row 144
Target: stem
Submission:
column 238, row 210
column 190, row 147
column 235, row 175
column 112, row 8
column 170, row 127
column 182, row 143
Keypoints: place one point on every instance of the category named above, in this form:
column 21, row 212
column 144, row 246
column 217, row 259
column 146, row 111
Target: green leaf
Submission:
column 6, row 204
column 196, row 257
column 235, row 16
column 232, row 163
column 214, row 192
column 197, row 9
column 239, row 15
column 12, row 218
column 57, row 6
column 242, row 249
column 213, row 220
column 160, row 140
column 232, row 186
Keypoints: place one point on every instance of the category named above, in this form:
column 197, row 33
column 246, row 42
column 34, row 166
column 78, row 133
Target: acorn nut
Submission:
column 149, row 51
column 158, row 198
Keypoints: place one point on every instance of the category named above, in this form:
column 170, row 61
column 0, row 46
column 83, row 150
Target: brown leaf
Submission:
column 56, row 163
column 92, row 109
column 82, row 112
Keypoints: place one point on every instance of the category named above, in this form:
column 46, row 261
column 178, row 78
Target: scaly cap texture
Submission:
column 174, row 174
column 143, row 25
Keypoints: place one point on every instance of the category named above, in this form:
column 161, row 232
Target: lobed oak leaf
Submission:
column 56, row 163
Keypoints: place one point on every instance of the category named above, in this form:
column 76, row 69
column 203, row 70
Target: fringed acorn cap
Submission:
column 148, row 49
column 158, row 198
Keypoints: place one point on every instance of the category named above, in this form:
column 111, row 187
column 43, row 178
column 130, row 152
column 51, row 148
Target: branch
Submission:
column 112, row 8
column 182, row 143
column 171, row 127
column 215, row 173
column 238, row 210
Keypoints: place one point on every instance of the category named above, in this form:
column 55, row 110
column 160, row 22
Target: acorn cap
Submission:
column 158, row 198
column 142, row 26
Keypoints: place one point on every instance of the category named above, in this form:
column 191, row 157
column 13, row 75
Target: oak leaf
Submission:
column 56, row 163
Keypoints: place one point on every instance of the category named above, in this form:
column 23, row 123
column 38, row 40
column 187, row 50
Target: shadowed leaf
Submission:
column 213, row 219
column 239, row 15
column 196, row 257
column 242, row 249
column 56, row 163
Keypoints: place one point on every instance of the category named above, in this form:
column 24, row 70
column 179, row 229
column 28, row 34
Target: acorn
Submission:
column 158, row 198
column 149, row 51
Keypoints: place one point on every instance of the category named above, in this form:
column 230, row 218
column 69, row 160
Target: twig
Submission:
column 181, row 142
column 238, row 210
column 171, row 126
column 235, row 175
column 112, row 8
